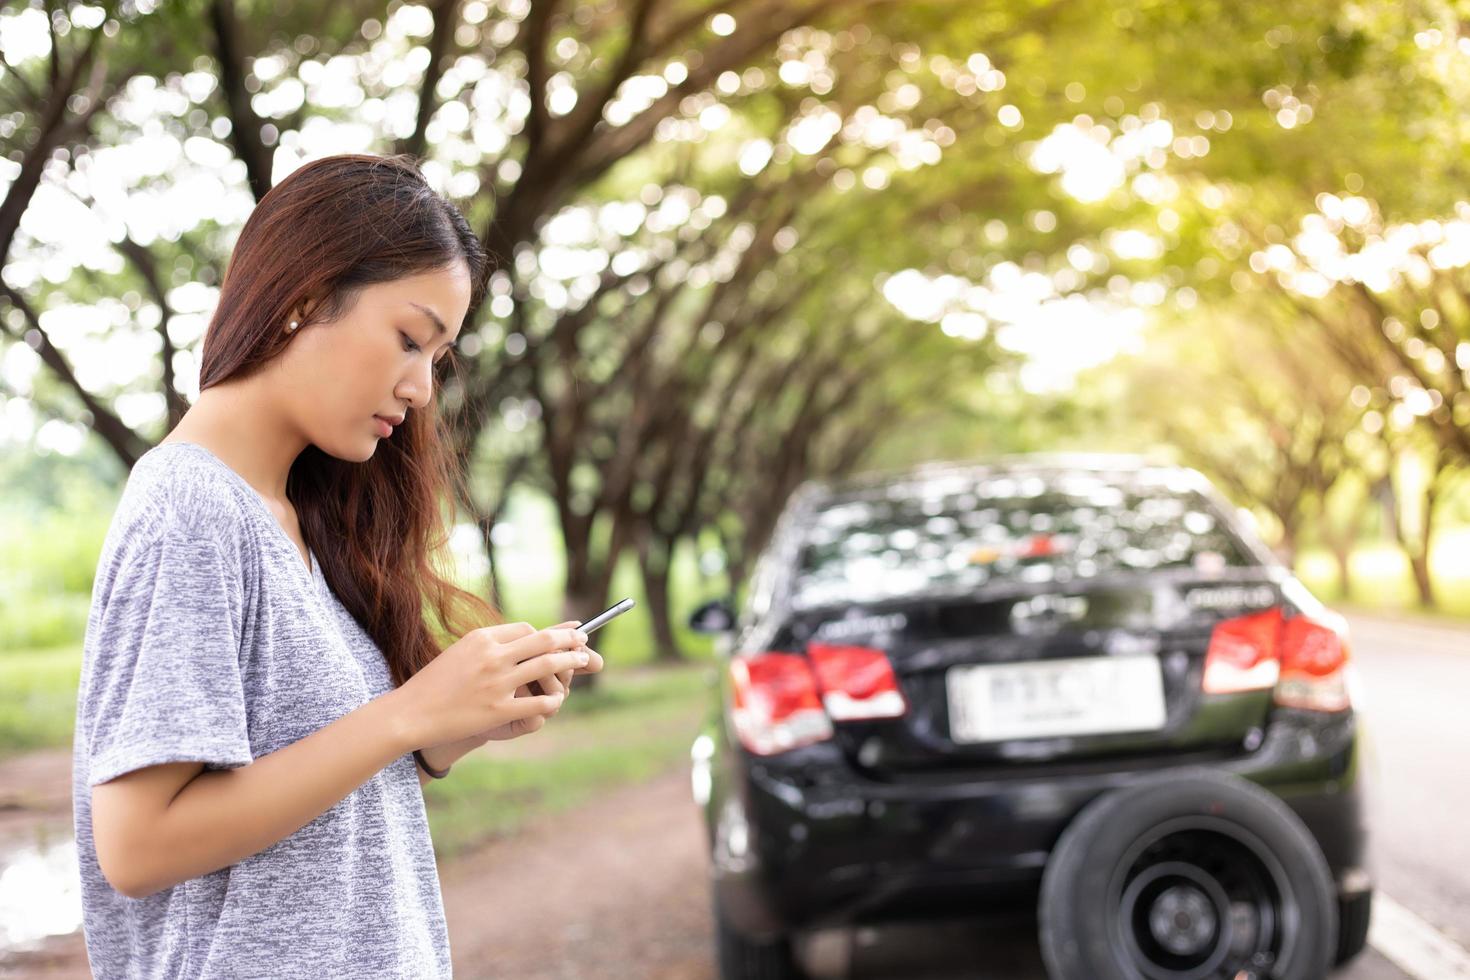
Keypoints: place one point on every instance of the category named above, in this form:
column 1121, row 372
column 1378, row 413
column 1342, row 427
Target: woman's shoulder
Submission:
column 180, row 488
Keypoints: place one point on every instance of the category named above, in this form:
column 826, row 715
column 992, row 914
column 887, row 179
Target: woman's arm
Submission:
column 443, row 756
column 161, row 825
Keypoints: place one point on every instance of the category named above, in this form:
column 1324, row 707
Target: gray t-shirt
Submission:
column 209, row 640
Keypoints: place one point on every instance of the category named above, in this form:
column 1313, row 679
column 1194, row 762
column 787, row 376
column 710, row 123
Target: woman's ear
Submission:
column 314, row 305
column 302, row 313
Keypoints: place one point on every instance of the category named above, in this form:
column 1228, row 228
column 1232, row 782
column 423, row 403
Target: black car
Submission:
column 1080, row 685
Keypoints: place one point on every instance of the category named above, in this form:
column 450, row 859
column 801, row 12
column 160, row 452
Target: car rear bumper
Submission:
column 804, row 840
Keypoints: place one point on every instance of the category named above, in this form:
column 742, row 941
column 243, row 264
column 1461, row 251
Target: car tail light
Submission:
column 1242, row 654
column 856, row 683
column 775, row 703
column 1304, row 660
column 1314, row 661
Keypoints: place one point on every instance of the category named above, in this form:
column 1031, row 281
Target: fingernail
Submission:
column 581, row 637
column 582, row 659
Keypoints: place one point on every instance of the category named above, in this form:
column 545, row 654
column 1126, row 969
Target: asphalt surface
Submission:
column 1415, row 703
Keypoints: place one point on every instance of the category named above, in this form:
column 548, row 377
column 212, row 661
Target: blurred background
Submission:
column 739, row 245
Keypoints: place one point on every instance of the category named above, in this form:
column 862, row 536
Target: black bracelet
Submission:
column 436, row 773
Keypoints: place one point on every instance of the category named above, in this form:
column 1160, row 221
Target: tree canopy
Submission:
column 740, row 245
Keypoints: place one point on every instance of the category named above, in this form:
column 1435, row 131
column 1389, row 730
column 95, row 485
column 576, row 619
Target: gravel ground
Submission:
column 611, row 890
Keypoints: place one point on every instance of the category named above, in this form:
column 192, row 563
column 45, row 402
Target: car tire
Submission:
column 743, row 958
column 1353, row 915
column 1184, row 875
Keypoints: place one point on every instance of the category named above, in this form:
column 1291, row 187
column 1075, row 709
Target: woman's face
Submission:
column 377, row 359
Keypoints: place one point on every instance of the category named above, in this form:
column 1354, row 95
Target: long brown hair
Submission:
column 379, row 528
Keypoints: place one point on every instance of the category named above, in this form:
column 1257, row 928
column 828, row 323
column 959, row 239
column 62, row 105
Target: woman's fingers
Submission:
column 546, row 660
column 520, row 709
column 543, row 641
column 566, row 678
column 506, row 632
column 538, row 668
column 594, row 663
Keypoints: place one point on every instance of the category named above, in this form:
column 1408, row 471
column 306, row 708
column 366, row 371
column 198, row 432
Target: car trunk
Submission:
column 1099, row 674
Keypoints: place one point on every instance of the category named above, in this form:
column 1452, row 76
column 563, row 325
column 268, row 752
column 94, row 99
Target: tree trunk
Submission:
column 485, row 520
column 1343, row 553
column 1416, row 547
column 586, row 596
column 654, row 557
column 486, row 528
column 734, row 560
column 1286, row 547
column 1342, row 544
column 1420, row 562
column 1422, row 582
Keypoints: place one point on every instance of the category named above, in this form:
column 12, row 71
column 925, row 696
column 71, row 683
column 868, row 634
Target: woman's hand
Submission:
column 481, row 684
column 443, row 756
column 446, row 755
column 558, row 683
column 562, row 682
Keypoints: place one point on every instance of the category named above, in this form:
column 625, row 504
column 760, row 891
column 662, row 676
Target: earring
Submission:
column 292, row 326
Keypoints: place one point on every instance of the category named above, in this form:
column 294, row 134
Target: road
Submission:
column 1416, row 691
column 615, row 890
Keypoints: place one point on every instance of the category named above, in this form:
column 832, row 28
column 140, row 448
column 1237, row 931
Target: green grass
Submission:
column 38, row 698
column 631, row 727
column 46, row 575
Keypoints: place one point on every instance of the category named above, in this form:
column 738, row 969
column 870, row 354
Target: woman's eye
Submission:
column 411, row 346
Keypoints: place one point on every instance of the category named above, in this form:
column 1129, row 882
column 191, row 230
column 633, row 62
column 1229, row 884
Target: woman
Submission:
column 261, row 696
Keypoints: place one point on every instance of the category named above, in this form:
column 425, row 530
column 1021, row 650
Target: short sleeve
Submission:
column 164, row 680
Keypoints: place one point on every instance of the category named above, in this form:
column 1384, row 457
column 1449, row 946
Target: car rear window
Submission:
column 952, row 534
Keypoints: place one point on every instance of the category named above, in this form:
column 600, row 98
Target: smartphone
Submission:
column 601, row 619
column 607, row 615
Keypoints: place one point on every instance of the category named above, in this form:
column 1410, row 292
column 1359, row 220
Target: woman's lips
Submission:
column 384, row 429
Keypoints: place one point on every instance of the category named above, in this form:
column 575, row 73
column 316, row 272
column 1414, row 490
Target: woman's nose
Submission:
column 418, row 387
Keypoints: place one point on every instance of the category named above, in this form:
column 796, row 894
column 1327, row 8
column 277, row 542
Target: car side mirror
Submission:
column 714, row 616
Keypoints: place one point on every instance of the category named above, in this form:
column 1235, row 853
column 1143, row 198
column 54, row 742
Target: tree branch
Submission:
column 446, row 18
column 143, row 260
column 245, row 124
column 535, row 33
column 51, row 130
column 123, row 441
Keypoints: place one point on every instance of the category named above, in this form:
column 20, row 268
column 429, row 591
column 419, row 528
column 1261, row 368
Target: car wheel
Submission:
column 1353, row 915
column 742, row 958
column 1190, row 875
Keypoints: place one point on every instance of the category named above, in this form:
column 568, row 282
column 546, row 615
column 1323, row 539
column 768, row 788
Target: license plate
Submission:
column 1085, row 696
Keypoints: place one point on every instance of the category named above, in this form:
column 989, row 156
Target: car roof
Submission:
column 785, row 541
column 1111, row 464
